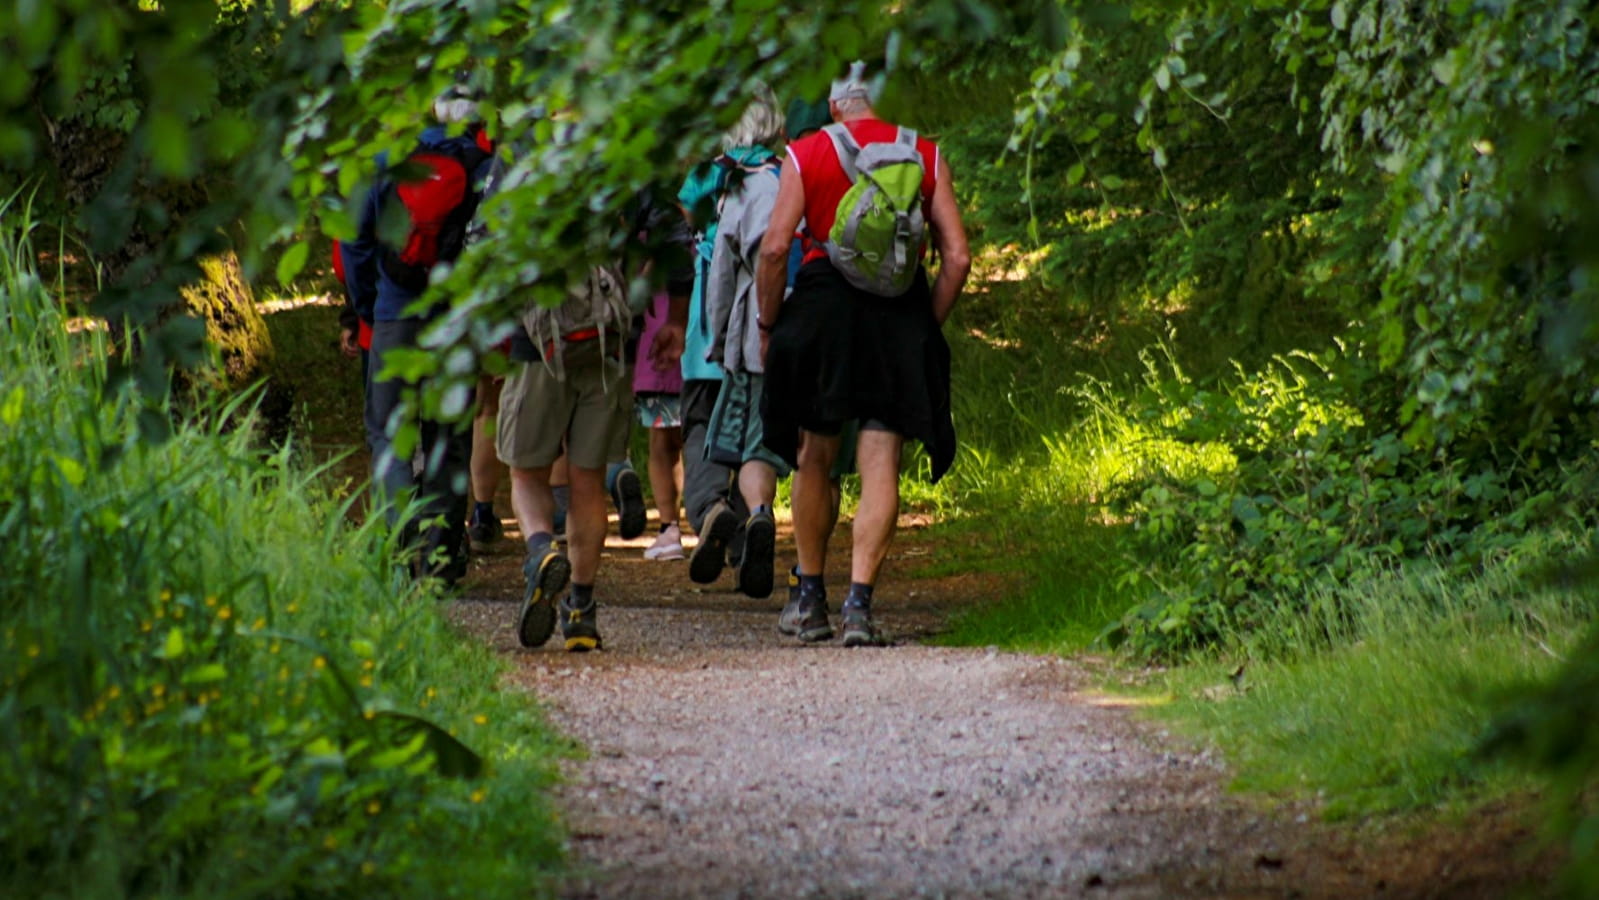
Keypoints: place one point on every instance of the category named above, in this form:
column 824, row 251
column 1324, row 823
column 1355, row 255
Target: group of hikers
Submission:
column 797, row 332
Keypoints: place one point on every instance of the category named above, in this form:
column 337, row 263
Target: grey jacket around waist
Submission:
column 730, row 301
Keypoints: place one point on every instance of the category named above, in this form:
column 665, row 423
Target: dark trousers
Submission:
column 704, row 481
column 440, row 483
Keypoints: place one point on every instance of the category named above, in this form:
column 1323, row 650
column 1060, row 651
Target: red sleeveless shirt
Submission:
column 825, row 182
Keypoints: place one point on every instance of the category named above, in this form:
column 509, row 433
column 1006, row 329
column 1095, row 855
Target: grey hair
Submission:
column 852, row 105
column 762, row 123
column 453, row 110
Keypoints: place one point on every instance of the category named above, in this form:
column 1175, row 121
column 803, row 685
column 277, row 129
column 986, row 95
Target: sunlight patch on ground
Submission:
column 267, row 307
column 1121, row 701
column 995, row 342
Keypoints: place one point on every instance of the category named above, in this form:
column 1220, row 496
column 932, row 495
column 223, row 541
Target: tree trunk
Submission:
column 233, row 325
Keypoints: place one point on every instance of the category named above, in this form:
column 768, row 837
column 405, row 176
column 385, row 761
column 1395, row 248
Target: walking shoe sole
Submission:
column 537, row 621
column 755, row 569
column 816, row 635
column 630, row 512
column 862, row 639
column 582, row 644
column 705, row 564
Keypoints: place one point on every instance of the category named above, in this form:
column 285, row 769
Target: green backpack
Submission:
column 877, row 233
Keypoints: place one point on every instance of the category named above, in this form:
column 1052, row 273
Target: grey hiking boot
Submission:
column 788, row 621
column 580, row 626
column 859, row 629
column 546, row 575
column 755, row 567
column 813, row 624
column 710, row 554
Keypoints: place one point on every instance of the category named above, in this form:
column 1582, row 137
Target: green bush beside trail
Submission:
column 210, row 684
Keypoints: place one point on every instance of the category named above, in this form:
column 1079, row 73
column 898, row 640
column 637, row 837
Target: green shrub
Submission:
column 210, row 684
column 1373, row 696
column 1311, row 496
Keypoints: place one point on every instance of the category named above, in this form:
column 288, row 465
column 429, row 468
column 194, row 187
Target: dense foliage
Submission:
column 1383, row 210
column 208, row 686
column 1420, row 172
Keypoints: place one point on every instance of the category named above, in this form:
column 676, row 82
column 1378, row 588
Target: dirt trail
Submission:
column 729, row 761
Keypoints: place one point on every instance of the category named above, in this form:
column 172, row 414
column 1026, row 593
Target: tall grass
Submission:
column 210, row 684
column 1378, row 693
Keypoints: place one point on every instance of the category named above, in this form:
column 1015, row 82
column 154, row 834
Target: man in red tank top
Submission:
column 835, row 353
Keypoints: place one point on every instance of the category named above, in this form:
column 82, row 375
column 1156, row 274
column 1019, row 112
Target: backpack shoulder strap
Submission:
column 906, row 136
column 846, row 147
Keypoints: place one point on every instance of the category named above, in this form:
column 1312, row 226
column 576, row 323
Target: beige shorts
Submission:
column 589, row 411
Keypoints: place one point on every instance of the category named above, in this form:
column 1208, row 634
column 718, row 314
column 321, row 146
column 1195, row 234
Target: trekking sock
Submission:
column 582, row 596
column 859, row 595
column 811, row 584
column 537, row 541
column 482, row 512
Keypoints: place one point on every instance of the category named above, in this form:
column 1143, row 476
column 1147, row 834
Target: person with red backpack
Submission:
column 438, row 187
column 860, row 335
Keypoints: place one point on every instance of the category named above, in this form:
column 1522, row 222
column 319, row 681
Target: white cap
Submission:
column 851, row 85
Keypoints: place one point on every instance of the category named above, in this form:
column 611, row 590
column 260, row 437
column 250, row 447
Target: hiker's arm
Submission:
column 361, row 257
column 771, row 269
column 666, row 351
column 949, row 238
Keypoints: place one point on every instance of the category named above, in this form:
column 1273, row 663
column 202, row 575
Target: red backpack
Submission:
column 440, row 197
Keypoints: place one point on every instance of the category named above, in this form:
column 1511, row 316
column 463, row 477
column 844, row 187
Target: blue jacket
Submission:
column 375, row 296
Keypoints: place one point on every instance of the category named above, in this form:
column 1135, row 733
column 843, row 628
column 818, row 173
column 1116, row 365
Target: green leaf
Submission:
column 167, row 139
column 206, row 674
column 292, row 261
column 172, row 648
column 11, row 407
column 455, row 759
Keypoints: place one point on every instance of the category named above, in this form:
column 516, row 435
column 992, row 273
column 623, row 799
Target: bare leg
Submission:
column 486, row 467
column 836, row 489
column 532, row 501
column 757, row 481
column 586, row 523
column 666, row 471
column 813, row 500
column 878, row 461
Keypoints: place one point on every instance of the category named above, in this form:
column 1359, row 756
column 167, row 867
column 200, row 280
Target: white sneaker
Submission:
column 668, row 544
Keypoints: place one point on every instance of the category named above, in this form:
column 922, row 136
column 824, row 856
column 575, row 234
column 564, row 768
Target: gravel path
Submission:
column 727, row 761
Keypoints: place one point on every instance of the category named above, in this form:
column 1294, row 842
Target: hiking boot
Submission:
column 485, row 529
column 437, row 562
column 788, row 621
column 627, row 492
column 668, row 544
column 735, row 547
column 859, row 629
column 812, row 614
column 580, row 626
column 546, row 575
column 755, row 568
column 705, row 564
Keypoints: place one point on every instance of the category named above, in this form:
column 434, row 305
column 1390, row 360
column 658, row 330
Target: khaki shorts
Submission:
column 589, row 411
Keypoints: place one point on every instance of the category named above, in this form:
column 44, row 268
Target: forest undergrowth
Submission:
column 1368, row 680
column 213, row 685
